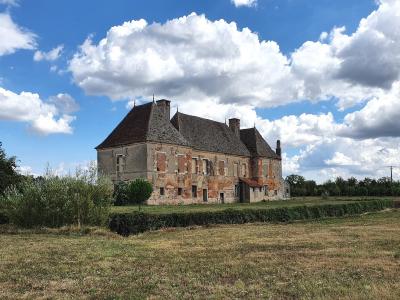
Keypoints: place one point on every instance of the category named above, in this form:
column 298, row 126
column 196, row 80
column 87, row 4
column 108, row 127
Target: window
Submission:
column 236, row 190
column 244, row 170
column 205, row 195
column 120, row 163
column 265, row 169
column 181, row 164
column 205, row 167
column 161, row 162
column 194, row 191
column 180, row 190
column 276, row 193
column 235, row 169
column 221, row 168
column 162, row 191
column 265, row 190
column 194, row 166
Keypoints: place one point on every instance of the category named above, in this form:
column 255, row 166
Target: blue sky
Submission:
column 319, row 116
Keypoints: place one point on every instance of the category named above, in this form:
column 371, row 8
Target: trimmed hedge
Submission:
column 136, row 222
column 3, row 217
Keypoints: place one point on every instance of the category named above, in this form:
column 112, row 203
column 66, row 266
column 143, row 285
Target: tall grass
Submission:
column 53, row 201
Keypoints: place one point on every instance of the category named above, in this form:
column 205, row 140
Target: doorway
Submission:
column 205, row 195
column 221, row 197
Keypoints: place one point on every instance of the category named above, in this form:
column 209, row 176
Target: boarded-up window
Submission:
column 265, row 169
column 205, row 168
column 194, row 165
column 120, row 163
column 221, row 168
column 235, row 169
column 244, row 170
column 161, row 162
column 181, row 164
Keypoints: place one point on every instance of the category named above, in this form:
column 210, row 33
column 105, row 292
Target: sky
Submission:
column 323, row 76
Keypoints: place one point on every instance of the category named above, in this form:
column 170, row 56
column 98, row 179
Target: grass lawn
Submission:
column 214, row 207
column 348, row 258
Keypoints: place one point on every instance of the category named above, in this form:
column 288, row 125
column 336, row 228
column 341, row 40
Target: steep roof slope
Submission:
column 208, row 135
column 256, row 143
column 144, row 123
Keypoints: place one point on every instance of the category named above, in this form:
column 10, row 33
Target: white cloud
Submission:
column 52, row 55
column 13, row 37
column 44, row 118
column 193, row 58
column 248, row 3
column 9, row 2
column 379, row 118
column 64, row 103
column 215, row 70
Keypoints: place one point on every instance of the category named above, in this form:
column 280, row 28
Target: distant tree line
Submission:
column 343, row 187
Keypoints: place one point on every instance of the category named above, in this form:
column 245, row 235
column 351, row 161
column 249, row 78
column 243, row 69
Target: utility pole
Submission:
column 391, row 174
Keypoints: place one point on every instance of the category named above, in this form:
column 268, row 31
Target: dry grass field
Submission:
column 348, row 258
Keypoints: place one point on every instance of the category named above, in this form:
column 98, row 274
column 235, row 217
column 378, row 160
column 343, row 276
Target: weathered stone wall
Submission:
column 134, row 160
column 175, row 170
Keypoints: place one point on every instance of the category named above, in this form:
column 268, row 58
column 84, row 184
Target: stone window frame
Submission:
column 181, row 191
column 162, row 191
column 184, row 171
column 224, row 168
column 118, row 163
column 235, row 169
column 166, row 164
column 244, row 170
column 205, row 170
column 196, row 168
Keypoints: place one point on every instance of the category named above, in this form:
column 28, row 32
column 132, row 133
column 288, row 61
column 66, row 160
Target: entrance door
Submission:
column 241, row 192
column 205, row 195
column 221, row 196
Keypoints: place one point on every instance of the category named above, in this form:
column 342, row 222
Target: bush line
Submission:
column 137, row 222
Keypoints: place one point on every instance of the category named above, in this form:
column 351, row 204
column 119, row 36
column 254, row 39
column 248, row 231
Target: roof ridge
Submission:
column 201, row 118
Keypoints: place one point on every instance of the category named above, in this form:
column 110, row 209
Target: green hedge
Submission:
column 3, row 217
column 136, row 222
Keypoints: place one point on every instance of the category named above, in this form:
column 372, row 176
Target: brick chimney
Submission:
column 278, row 148
column 234, row 125
column 165, row 107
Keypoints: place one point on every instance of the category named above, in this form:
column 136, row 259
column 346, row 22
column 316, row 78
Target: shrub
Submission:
column 55, row 202
column 139, row 191
column 136, row 222
column 121, row 194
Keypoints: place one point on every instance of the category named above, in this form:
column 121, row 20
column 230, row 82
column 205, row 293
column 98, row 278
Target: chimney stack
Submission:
column 278, row 148
column 234, row 125
column 165, row 106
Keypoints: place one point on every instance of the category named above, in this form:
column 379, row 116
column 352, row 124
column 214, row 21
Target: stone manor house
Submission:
column 190, row 159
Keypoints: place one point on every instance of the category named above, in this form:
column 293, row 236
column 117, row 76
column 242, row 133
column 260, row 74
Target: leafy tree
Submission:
column 8, row 173
column 121, row 193
column 139, row 191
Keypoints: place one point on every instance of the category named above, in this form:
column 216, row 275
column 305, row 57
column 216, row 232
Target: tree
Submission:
column 139, row 191
column 8, row 173
column 121, row 193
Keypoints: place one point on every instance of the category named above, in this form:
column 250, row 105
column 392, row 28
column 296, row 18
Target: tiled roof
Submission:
column 144, row 123
column 256, row 143
column 208, row 135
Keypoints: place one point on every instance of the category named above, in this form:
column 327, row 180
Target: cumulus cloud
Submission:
column 216, row 70
column 9, row 2
column 43, row 117
column 193, row 58
column 378, row 118
column 248, row 3
column 52, row 55
column 14, row 37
